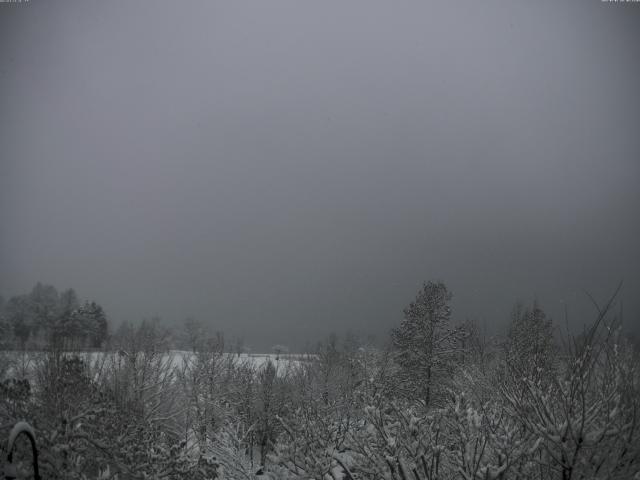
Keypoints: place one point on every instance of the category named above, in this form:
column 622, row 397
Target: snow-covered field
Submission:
column 20, row 363
column 282, row 362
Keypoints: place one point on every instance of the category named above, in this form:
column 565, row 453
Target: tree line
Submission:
column 45, row 317
column 440, row 401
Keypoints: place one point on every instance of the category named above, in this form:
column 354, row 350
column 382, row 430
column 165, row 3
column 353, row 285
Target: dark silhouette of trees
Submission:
column 19, row 318
column 194, row 333
column 46, row 317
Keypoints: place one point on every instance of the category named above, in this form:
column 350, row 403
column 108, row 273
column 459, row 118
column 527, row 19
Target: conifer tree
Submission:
column 425, row 344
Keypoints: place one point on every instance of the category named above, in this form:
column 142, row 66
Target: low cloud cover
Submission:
column 281, row 170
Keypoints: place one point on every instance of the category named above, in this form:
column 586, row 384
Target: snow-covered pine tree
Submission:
column 425, row 344
column 529, row 348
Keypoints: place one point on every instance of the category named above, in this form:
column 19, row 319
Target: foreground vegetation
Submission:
column 441, row 402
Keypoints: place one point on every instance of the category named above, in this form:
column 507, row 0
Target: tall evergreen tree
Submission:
column 19, row 318
column 529, row 348
column 425, row 344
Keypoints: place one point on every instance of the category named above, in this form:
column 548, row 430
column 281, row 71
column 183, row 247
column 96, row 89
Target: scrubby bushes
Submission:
column 569, row 412
column 484, row 410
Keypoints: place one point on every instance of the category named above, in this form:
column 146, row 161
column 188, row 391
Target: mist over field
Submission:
column 320, row 240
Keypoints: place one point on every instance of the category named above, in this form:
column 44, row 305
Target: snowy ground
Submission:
column 20, row 363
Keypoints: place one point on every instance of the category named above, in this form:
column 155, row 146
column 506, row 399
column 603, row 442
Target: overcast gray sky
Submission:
column 283, row 169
